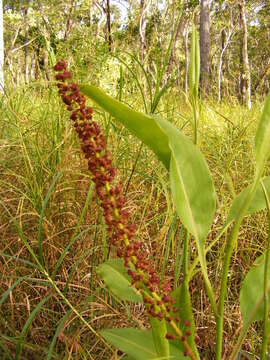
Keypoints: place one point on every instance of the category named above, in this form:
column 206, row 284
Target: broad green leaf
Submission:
column 191, row 183
column 159, row 331
column 183, row 302
column 141, row 125
column 252, row 292
column 262, row 140
column 135, row 343
column 115, row 276
column 195, row 197
column 258, row 202
column 138, row 344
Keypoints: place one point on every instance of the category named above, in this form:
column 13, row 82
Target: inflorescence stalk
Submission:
column 156, row 295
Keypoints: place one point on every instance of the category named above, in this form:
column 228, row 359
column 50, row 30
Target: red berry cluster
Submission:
column 156, row 295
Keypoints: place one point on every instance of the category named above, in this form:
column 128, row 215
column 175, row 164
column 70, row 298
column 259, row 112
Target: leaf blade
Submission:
column 257, row 203
column 138, row 344
column 115, row 276
column 141, row 125
column 251, row 294
column 189, row 174
column 159, row 331
column 262, row 143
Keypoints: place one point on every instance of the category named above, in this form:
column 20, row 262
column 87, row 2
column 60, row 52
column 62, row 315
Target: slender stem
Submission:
column 227, row 260
column 209, row 247
column 185, row 252
column 266, row 307
column 58, row 291
column 266, row 275
column 133, row 168
column 208, row 286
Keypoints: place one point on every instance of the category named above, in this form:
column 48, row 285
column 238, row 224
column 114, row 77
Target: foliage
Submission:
column 196, row 205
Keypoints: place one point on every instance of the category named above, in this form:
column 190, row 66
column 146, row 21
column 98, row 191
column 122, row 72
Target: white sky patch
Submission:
column 122, row 6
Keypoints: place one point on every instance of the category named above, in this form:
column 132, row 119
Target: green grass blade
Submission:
column 76, row 235
column 60, row 326
column 29, row 321
column 7, row 292
column 136, row 80
column 42, row 214
column 262, row 142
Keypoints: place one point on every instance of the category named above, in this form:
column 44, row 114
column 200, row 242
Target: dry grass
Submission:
column 36, row 143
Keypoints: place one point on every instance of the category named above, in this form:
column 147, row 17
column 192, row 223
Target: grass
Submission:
column 47, row 201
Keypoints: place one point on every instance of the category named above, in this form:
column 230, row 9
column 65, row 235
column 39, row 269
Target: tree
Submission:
column 245, row 87
column 144, row 7
column 1, row 49
column 204, row 44
column 108, row 33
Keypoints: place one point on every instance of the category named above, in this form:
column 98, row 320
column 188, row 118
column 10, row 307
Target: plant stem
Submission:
column 208, row 286
column 227, row 260
column 266, row 275
column 191, row 271
column 133, row 168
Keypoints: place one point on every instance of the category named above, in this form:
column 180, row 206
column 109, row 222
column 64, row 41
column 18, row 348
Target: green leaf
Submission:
column 135, row 343
column 138, row 344
column 141, row 125
column 183, row 302
column 190, row 169
column 191, row 183
column 252, row 292
column 194, row 65
column 159, row 331
column 262, row 139
column 258, row 202
column 115, row 276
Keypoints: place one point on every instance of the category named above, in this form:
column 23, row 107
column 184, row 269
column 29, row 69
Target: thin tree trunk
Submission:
column 69, row 22
column 144, row 5
column 32, row 68
column 102, row 16
column 225, row 44
column 186, row 58
column 25, row 11
column 2, row 82
column 246, row 88
column 109, row 34
column 204, row 44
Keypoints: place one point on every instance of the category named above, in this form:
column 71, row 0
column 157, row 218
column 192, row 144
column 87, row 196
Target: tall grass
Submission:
column 52, row 304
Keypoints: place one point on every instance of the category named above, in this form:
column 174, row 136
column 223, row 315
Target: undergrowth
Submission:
column 46, row 198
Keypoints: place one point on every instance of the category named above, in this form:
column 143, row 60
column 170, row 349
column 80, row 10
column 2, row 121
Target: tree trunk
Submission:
column 69, row 21
column 109, row 34
column 204, row 44
column 245, row 71
column 224, row 45
column 25, row 13
column 142, row 27
column 2, row 83
column 186, row 57
column 102, row 12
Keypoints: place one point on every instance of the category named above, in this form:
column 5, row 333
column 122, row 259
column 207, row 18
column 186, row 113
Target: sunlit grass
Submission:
column 36, row 144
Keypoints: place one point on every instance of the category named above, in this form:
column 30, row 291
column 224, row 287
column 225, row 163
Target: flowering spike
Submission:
column 93, row 144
